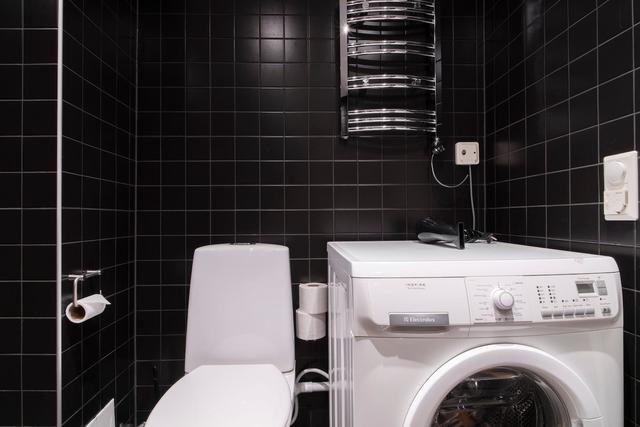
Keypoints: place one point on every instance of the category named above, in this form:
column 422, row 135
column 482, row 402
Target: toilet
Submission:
column 239, row 359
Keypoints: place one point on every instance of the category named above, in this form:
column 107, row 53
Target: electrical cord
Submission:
column 433, row 171
column 468, row 177
column 473, row 208
column 294, row 415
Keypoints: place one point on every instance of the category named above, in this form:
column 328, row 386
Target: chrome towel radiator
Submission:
column 387, row 66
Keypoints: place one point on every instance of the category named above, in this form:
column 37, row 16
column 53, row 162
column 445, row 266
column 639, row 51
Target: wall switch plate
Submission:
column 467, row 153
column 620, row 197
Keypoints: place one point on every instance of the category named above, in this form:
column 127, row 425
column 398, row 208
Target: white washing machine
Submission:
column 493, row 335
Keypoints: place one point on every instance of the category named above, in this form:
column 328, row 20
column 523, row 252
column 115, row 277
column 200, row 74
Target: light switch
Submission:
column 620, row 198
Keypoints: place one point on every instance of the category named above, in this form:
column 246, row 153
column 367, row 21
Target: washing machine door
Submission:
column 504, row 385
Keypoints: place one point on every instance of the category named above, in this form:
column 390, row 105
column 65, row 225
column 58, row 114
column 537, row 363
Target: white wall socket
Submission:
column 467, row 153
column 620, row 198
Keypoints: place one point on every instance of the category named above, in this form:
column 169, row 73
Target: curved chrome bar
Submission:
column 384, row 128
column 424, row 3
column 392, row 77
column 391, row 46
column 392, row 111
column 368, row 43
column 385, row 81
column 390, row 120
column 356, row 19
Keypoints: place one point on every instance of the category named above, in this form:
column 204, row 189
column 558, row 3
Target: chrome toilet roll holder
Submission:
column 80, row 278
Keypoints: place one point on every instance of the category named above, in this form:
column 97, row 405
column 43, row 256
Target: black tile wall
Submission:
column 560, row 90
column 459, row 106
column 237, row 141
column 28, row 56
column 98, row 200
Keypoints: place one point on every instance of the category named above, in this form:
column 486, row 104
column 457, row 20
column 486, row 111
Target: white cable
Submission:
column 294, row 415
column 311, row 371
column 473, row 209
column 311, row 387
column 433, row 171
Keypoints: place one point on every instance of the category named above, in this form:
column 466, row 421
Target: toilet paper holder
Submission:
column 80, row 278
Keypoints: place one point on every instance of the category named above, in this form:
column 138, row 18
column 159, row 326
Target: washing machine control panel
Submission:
column 542, row 298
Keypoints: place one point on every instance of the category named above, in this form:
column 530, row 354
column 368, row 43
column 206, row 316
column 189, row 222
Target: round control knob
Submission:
column 502, row 299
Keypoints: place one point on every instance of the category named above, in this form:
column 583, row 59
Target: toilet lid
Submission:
column 226, row 395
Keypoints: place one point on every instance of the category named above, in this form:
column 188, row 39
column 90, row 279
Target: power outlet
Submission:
column 467, row 153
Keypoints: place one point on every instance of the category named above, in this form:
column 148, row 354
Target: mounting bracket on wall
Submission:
column 81, row 277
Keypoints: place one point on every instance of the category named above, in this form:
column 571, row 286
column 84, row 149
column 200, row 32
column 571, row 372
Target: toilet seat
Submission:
column 226, row 395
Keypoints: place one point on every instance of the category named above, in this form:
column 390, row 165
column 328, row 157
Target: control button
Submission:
column 590, row 312
column 502, row 299
column 546, row 314
column 579, row 311
column 606, row 311
column 558, row 314
column 569, row 312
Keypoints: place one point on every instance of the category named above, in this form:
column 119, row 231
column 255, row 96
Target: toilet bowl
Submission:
column 239, row 359
column 226, row 395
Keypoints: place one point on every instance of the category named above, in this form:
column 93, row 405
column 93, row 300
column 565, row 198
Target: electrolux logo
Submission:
column 419, row 319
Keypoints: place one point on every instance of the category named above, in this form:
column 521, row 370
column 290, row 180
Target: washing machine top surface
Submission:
column 226, row 395
column 417, row 259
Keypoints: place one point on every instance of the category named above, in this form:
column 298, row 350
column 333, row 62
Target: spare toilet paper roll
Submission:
column 87, row 308
column 310, row 327
column 313, row 297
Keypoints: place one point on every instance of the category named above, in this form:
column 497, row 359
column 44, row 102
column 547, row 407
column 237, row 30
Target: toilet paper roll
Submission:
column 313, row 297
column 310, row 327
column 87, row 308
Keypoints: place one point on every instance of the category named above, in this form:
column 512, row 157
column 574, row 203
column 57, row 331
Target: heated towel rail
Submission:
column 387, row 66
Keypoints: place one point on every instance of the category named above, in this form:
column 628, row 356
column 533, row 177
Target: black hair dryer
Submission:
column 431, row 231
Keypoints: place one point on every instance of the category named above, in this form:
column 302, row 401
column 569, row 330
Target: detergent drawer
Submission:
column 409, row 307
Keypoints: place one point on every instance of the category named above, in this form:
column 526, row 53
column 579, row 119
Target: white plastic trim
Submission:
column 59, row 308
column 574, row 393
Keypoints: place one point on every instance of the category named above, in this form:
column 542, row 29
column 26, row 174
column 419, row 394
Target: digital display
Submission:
column 585, row 287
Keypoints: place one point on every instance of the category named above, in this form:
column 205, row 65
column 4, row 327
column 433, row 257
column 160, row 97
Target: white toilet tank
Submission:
column 240, row 309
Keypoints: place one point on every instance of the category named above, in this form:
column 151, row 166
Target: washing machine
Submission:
column 496, row 335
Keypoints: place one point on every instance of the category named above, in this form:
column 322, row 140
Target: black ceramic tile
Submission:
column 615, row 56
column 27, row 178
column 583, row 73
column 40, row 13
column 582, row 38
column 598, row 120
column 616, row 100
column 99, row 153
column 613, row 17
column 579, row 8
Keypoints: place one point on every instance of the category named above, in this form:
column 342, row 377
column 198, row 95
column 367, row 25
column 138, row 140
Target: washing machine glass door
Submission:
column 504, row 385
column 501, row 397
